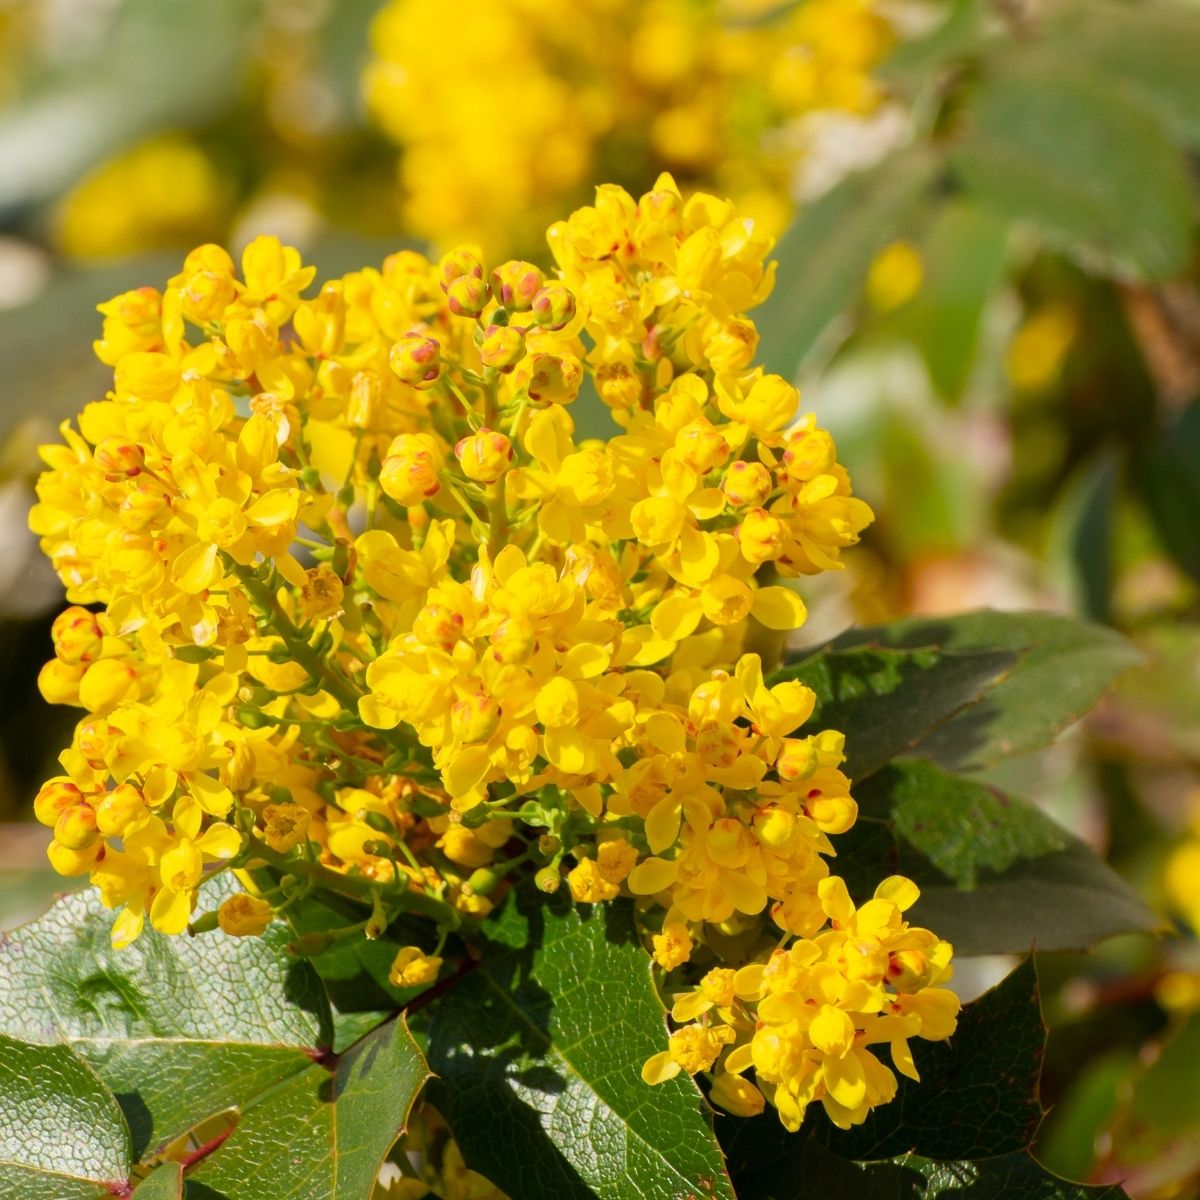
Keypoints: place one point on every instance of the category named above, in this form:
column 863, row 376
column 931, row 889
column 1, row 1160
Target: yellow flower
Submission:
column 412, row 967
column 243, row 915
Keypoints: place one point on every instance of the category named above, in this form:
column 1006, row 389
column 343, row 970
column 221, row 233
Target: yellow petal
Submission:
column 466, row 771
column 652, row 876
column 831, row 1030
column 220, row 841
column 846, row 1080
column 660, row 1067
column 901, row 892
column 778, row 608
column 171, row 911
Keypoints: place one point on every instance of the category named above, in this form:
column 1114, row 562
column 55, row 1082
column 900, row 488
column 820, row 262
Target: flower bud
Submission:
column 206, row 295
column 747, row 483
column 515, row 284
column 502, row 348
column 460, row 845
column 56, row 797
column 475, row 719
column 416, row 360
column 366, row 399
column 459, row 263
column 730, row 346
column 438, row 625
column 554, row 306
column 484, row 881
column 106, row 683
column 119, row 459
column 797, row 759
column 119, row 808
column 702, row 445
column 484, row 456
column 513, row 640
column 550, row 378
column 76, row 827
column 809, row 453
column 74, row 862
column 736, row 1095
column 909, row 970
column 59, row 682
column 410, row 471
column 760, row 536
column 466, row 296
column 244, row 915
column 92, row 738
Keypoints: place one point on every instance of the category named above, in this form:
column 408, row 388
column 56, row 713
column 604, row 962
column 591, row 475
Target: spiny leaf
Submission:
column 62, row 1135
column 180, row 1028
column 996, row 874
column 538, row 1054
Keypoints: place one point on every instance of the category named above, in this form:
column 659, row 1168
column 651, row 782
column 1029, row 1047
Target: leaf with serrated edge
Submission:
column 537, row 1056
column 322, row 1134
column 889, row 701
column 996, row 875
column 1061, row 668
column 62, row 1134
column 180, row 1028
column 812, row 1172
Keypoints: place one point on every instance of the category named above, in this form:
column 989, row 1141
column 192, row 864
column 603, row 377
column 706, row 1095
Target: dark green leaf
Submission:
column 62, row 1135
column 180, row 1028
column 1167, row 483
column 1151, row 48
column 1072, row 155
column 824, row 256
column 812, row 1172
column 537, row 1055
column 163, row 1183
column 889, row 701
column 996, row 874
column 1062, row 668
column 321, row 1134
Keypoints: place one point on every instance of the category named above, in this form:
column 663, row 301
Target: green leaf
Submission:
column 1151, row 48
column 1062, row 668
column 977, row 1098
column 996, row 874
column 62, row 1135
column 824, row 256
column 889, row 701
column 537, row 1055
column 180, row 1028
column 812, row 1172
column 322, row 1134
column 163, row 1183
column 964, row 255
column 1164, row 475
column 1074, row 156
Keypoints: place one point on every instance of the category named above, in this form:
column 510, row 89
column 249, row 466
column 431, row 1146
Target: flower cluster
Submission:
column 805, row 1018
column 352, row 600
column 503, row 125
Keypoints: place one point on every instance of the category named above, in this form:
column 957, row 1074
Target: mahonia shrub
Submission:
column 503, row 126
column 350, row 600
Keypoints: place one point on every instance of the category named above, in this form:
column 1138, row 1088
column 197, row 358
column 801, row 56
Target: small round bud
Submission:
column 548, row 880
column 55, row 797
column 760, row 536
column 207, row 294
column 410, row 472
column 909, row 970
column 484, row 456
column 416, row 360
column 107, row 683
column 412, row 967
column 466, row 296
column 514, row 639
column 515, row 284
column 76, row 827
column 484, row 881
column 475, row 719
column 503, row 347
column 119, row 459
column 747, row 483
column 703, row 447
column 92, row 738
column 549, row 845
column 554, row 306
column 458, row 263
column 77, row 635
column 119, row 808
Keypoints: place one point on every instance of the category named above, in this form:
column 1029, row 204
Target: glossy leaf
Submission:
column 813, row 1172
column 996, row 874
column 163, row 1183
column 321, row 1134
column 538, row 1053
column 62, row 1134
column 1061, row 668
column 1071, row 155
column 180, row 1028
column 824, row 256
